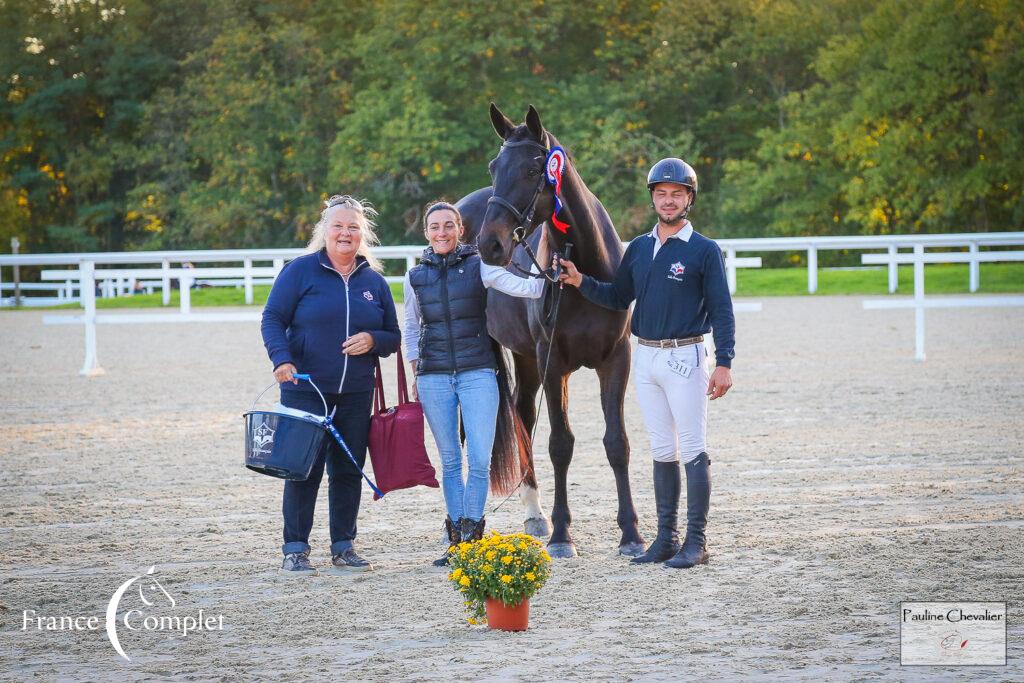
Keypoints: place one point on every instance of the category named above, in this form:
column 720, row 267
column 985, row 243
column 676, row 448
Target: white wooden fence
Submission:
column 919, row 302
column 891, row 243
column 180, row 265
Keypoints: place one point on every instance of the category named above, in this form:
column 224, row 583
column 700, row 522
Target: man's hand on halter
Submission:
column 569, row 273
column 721, row 382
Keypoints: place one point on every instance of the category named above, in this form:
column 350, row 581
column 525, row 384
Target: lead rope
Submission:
column 547, row 363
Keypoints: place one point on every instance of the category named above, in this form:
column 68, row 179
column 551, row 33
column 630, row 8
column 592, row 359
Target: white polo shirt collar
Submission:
column 683, row 235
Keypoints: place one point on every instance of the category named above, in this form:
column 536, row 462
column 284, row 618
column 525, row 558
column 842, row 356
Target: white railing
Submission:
column 972, row 241
column 731, row 247
column 120, row 281
column 919, row 302
column 172, row 266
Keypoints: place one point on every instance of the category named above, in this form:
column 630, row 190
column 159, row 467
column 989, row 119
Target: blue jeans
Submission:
column 345, row 484
column 476, row 391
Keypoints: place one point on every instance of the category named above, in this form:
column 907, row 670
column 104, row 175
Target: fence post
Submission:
column 278, row 265
column 247, row 275
column 165, row 266
column 730, row 269
column 975, row 268
column 17, row 272
column 812, row 270
column 919, row 302
column 87, row 289
column 410, row 263
column 185, row 290
column 894, row 269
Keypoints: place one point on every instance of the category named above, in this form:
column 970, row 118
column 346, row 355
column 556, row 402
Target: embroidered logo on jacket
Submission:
column 675, row 271
column 368, row 296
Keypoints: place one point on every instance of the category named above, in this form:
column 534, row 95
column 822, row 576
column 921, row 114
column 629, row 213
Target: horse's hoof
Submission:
column 631, row 549
column 537, row 527
column 562, row 550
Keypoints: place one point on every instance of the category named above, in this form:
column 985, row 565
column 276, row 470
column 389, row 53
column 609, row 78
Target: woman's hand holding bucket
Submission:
column 285, row 372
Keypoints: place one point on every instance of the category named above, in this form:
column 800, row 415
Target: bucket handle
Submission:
column 296, row 375
column 329, row 427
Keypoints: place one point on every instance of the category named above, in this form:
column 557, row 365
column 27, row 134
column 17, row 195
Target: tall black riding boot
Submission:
column 698, row 500
column 452, row 528
column 666, row 499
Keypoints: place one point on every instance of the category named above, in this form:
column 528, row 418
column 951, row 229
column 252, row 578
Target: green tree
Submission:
column 912, row 128
column 241, row 154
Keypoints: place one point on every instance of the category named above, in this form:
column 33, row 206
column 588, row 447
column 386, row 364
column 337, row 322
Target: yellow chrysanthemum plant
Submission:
column 507, row 567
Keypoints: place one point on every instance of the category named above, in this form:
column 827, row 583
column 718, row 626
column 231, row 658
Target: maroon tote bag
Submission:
column 396, row 439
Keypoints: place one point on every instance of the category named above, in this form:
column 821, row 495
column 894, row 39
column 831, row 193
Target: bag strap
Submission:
column 379, row 404
column 403, row 389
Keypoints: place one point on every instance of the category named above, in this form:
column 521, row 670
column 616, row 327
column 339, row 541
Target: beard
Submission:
column 673, row 218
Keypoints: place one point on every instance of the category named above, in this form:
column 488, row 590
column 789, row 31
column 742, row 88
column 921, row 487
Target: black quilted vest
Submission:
column 452, row 301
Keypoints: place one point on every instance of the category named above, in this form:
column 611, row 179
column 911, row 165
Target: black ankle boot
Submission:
column 666, row 499
column 471, row 530
column 698, row 500
column 452, row 528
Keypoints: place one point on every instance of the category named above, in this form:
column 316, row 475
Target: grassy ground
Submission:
column 939, row 279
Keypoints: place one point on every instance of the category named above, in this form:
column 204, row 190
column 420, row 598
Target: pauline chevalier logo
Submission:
column 151, row 615
column 953, row 633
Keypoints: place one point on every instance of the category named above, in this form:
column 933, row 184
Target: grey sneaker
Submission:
column 349, row 561
column 298, row 564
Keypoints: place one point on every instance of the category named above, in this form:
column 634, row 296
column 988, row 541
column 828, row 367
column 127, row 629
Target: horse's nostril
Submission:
column 494, row 250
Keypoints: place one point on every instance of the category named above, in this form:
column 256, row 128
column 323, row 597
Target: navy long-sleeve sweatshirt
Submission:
column 681, row 292
column 312, row 310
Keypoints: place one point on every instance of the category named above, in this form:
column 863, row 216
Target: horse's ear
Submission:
column 534, row 124
column 502, row 125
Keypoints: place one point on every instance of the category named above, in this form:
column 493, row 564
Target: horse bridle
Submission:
column 524, row 218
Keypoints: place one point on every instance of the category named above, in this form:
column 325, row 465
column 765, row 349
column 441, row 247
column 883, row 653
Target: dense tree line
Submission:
column 148, row 124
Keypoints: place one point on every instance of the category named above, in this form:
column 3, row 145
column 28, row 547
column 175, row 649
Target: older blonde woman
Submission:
column 330, row 314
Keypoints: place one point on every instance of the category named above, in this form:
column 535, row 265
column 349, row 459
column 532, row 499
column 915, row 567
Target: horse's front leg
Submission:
column 614, row 374
column 560, row 445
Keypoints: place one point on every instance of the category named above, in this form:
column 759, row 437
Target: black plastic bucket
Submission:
column 283, row 446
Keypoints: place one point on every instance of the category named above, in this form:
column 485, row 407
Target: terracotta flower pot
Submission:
column 514, row 618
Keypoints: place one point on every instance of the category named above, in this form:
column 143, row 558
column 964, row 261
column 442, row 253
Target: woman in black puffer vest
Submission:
column 457, row 364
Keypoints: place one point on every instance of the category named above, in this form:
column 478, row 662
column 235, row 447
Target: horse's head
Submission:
column 521, row 196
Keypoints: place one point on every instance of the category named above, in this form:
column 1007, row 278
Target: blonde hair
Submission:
column 365, row 214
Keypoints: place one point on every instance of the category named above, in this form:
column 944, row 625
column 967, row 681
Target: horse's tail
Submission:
column 511, row 457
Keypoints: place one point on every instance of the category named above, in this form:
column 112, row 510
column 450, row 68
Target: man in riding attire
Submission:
column 677, row 277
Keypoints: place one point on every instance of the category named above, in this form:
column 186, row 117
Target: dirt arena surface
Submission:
column 846, row 478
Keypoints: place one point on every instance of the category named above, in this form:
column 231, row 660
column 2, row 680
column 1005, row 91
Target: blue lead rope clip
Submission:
column 329, row 426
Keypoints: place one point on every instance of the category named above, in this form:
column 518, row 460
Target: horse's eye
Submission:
column 533, row 173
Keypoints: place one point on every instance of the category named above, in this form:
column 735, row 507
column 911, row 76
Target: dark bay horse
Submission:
column 586, row 335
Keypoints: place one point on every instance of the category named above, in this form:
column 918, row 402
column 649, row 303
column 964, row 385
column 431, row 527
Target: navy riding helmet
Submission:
column 673, row 170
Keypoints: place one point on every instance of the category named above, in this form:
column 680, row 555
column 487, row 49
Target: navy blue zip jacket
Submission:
column 681, row 292
column 311, row 311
